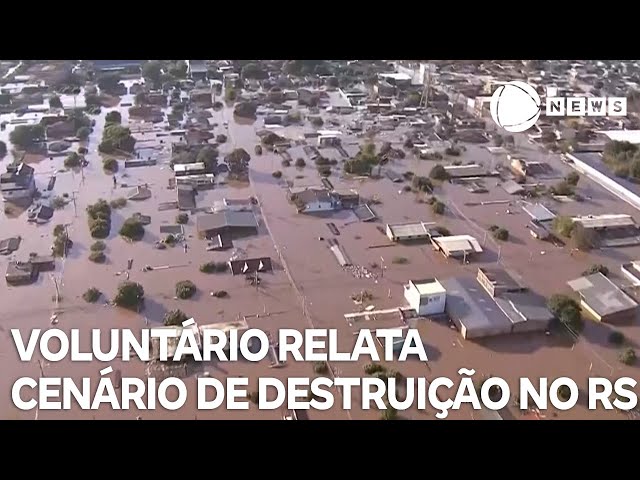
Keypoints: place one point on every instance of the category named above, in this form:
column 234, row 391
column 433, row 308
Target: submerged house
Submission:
column 18, row 183
column 315, row 200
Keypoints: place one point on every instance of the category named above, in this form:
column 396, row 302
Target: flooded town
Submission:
column 320, row 194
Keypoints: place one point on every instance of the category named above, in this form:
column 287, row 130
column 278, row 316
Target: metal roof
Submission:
column 539, row 212
column 413, row 229
column 231, row 219
column 603, row 221
column 458, row 243
column 601, row 294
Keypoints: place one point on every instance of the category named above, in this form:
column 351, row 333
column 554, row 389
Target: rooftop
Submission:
column 603, row 221
column 539, row 212
column 474, row 308
column 500, row 278
column 601, row 294
column 229, row 219
column 428, row 286
column 409, row 229
column 594, row 160
column 459, row 243
column 631, row 136
column 465, row 170
column 523, row 306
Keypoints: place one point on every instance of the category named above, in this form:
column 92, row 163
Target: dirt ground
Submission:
column 322, row 289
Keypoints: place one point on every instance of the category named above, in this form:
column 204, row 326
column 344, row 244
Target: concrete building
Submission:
column 18, row 183
column 183, row 169
column 631, row 271
column 314, row 201
column 526, row 168
column 197, row 69
column 402, row 232
column 467, row 171
column 603, row 299
column 613, row 230
column 457, row 246
column 426, row 297
column 539, row 212
column 591, row 165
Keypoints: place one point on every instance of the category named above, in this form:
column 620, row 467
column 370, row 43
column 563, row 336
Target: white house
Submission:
column 314, row 201
column 426, row 297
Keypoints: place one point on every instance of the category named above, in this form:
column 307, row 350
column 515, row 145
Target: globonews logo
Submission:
column 516, row 106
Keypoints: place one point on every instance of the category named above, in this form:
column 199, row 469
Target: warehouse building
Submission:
column 603, row 299
column 456, row 246
column 613, row 230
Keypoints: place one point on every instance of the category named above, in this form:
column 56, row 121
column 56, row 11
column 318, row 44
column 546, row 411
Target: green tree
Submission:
column 185, row 289
column 129, row 295
column 132, row 229
column 572, row 178
column 25, row 136
column 83, row 133
column 438, row 172
column 628, row 356
column 73, row 160
column 152, row 72
column 253, row 71
column 109, row 82
column 174, row 318
column 563, row 226
column 55, row 102
column 596, row 268
column 113, row 116
column 209, row 156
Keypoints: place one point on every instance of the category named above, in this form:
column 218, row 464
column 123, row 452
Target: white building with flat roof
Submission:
column 426, row 297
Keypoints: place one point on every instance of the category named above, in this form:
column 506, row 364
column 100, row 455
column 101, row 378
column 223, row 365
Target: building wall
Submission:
column 425, row 304
column 21, row 194
column 630, row 276
column 531, row 326
column 486, row 283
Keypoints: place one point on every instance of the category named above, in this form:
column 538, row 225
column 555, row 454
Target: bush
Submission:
column 92, row 295
column 406, row 188
column 132, row 229
column 3, row 149
column 221, row 294
column 564, row 393
column 438, row 207
column 572, row 178
column 320, row 368
column 258, row 149
column 286, row 163
column 596, row 268
column 113, row 117
column 97, row 257
column 110, row 165
column 300, row 163
column 130, row 295
column 214, row 267
column 277, row 174
column 372, row 368
column 61, row 245
column 422, row 184
column 174, row 318
column 628, row 356
column 400, row 260
column 82, row 150
column 438, row 172
column 443, row 231
column 58, row 203
column 616, row 338
column 501, row 234
column 59, row 230
column 99, row 228
column 221, row 138
column 185, row 289
column 98, row 246
column 182, row 218
column 118, row 203
column 83, row 133
column 73, row 160
column 567, row 311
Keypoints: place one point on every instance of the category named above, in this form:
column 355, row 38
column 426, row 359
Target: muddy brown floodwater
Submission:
column 312, row 291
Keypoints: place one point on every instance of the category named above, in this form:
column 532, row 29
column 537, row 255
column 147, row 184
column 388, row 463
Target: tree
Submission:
column 132, row 229
column 253, row 71
column 83, row 133
column 389, row 413
column 130, row 295
column 185, row 289
column 55, row 102
column 558, row 302
column 300, row 163
column 628, row 356
column 73, row 160
column 3, row 149
column 596, row 268
column 498, row 141
column 92, row 295
column 152, row 72
column 634, row 168
column 113, row 116
column 548, row 137
column 566, row 310
column 563, row 226
column 25, row 136
column 438, row 172
column 317, row 121
column 209, row 156
column 174, row 318
column 116, row 137
column 179, row 69
column 422, row 184
column 182, row 218
column 438, row 207
column 109, row 82
column 562, row 188
column 572, row 178
column 140, row 98
column 501, row 234
column 583, row 238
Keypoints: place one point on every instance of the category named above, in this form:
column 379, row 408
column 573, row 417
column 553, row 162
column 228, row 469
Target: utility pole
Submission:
column 75, row 207
column 57, row 287
column 381, row 267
